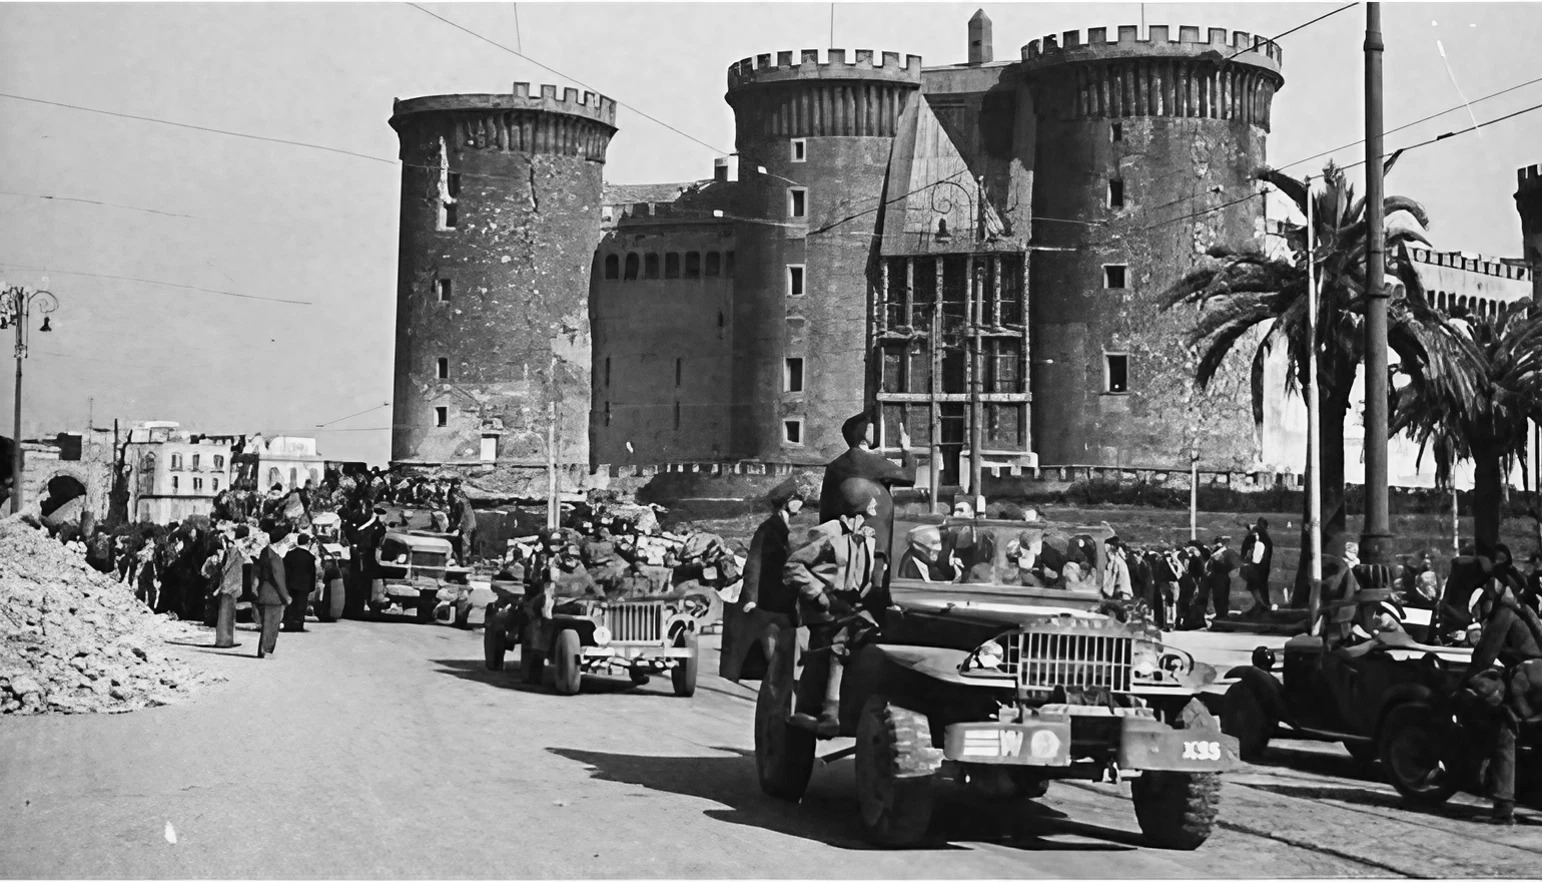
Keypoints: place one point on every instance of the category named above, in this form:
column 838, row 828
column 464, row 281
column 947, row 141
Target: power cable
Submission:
column 1426, row 119
column 490, row 41
column 1447, row 135
column 44, row 269
column 198, row 128
column 352, row 415
column 52, row 198
column 1296, row 28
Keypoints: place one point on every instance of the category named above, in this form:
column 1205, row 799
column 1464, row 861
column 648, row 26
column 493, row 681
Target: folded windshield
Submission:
column 1005, row 553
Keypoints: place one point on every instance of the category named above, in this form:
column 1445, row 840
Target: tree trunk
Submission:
column 1487, row 495
column 1333, row 407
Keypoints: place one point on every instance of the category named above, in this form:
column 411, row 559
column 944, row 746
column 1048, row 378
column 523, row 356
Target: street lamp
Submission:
column 15, row 305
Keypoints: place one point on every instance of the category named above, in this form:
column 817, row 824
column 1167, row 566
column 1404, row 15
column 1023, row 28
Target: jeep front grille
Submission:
column 636, row 622
column 1075, row 661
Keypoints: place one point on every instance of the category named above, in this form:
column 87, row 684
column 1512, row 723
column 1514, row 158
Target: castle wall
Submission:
column 1528, row 201
column 845, row 114
column 662, row 343
column 1184, row 126
column 501, row 201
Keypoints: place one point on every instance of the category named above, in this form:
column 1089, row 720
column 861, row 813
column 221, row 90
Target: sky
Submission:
column 207, row 232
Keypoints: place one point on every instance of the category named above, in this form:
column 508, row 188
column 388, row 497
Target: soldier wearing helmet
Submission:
column 862, row 462
column 838, row 598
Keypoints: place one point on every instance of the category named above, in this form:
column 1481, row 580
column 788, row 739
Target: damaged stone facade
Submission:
column 1528, row 200
column 499, row 221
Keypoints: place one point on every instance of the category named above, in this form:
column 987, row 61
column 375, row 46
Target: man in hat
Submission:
column 838, row 598
column 1216, row 585
column 860, row 461
column 300, row 579
column 272, row 589
column 365, row 540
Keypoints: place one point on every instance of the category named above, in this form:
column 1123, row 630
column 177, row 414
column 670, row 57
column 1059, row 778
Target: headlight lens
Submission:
column 986, row 659
column 1154, row 663
column 601, row 636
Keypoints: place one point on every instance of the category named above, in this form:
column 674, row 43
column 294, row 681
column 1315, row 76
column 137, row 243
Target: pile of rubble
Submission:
column 73, row 640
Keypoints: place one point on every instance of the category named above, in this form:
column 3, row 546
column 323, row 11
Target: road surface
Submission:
column 386, row 750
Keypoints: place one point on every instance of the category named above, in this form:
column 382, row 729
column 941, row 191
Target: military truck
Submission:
column 418, row 572
column 1003, row 687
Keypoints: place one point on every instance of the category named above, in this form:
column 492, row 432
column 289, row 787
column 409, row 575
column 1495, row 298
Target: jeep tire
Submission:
column 639, row 676
column 567, row 673
column 1245, row 717
column 896, row 807
column 494, row 641
column 1411, row 752
column 427, row 601
column 1176, row 809
column 683, row 675
column 784, row 754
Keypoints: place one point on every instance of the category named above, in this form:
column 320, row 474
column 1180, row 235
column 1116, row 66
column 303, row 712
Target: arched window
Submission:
column 693, row 264
column 631, row 266
column 174, row 482
column 176, row 462
column 147, row 475
column 219, row 463
column 650, row 266
column 714, row 263
column 612, row 266
column 274, row 477
column 672, row 265
column 294, row 478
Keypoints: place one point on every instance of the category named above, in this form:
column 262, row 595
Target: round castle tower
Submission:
column 822, row 130
column 1155, row 142
column 1528, row 201
column 500, row 215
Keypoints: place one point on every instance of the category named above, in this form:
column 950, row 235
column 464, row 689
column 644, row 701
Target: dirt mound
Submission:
column 75, row 641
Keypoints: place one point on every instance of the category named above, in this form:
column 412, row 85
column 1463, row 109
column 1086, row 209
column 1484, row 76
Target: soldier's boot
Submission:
column 829, row 725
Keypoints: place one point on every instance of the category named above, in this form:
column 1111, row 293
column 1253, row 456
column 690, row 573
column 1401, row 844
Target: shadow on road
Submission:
column 1317, row 762
column 508, row 678
column 1378, row 799
column 832, row 818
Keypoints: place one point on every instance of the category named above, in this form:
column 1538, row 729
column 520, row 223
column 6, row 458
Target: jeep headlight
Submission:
column 1153, row 663
column 986, row 660
column 602, row 636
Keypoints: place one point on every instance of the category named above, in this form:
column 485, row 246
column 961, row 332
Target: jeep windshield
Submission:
column 1031, row 558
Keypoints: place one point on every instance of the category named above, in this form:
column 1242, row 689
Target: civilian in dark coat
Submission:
column 272, row 590
column 300, row 579
column 861, row 462
column 1257, row 560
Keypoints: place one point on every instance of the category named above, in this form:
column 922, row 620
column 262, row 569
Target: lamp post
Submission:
column 15, row 305
column 976, row 293
column 1377, row 535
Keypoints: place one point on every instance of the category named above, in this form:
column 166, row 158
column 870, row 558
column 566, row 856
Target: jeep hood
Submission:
column 991, row 605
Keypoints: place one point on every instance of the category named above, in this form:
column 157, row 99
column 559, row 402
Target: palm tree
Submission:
column 1488, row 424
column 1240, row 288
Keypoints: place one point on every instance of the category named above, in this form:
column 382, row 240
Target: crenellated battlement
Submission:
column 572, row 102
column 1529, row 178
column 806, row 65
column 1191, row 41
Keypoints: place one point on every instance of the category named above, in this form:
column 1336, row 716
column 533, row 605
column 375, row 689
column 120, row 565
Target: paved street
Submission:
column 386, row 750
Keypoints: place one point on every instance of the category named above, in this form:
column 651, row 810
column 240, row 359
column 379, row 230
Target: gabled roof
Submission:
column 928, row 181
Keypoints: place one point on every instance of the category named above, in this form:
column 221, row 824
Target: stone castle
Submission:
column 969, row 244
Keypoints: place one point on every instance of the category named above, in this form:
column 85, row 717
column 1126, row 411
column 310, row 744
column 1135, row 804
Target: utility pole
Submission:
column 1376, row 537
column 553, row 504
column 1313, row 413
column 15, row 305
column 976, row 372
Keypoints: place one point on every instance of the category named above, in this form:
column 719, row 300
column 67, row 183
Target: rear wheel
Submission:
column 1412, row 753
column 567, row 674
column 494, row 642
column 1244, row 717
column 784, row 754
column 683, row 675
column 895, row 789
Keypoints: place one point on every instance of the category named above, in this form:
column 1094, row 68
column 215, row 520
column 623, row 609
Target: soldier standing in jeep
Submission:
column 861, row 462
column 837, row 599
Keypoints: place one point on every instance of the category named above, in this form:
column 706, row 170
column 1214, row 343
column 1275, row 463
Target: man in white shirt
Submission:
column 1116, row 573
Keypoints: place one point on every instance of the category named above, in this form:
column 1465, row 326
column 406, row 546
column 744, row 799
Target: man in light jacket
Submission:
column 225, row 570
column 272, row 591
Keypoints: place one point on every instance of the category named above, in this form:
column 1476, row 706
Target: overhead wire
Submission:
column 44, row 269
column 53, row 198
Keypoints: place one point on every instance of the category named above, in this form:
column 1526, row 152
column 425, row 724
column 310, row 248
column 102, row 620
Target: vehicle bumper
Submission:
column 1144, row 744
column 625, row 654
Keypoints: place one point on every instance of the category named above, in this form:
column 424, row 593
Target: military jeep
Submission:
column 588, row 635
column 417, row 573
column 1003, row 687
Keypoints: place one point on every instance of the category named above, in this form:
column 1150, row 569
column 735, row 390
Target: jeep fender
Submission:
column 938, row 663
column 1270, row 692
column 1403, row 693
